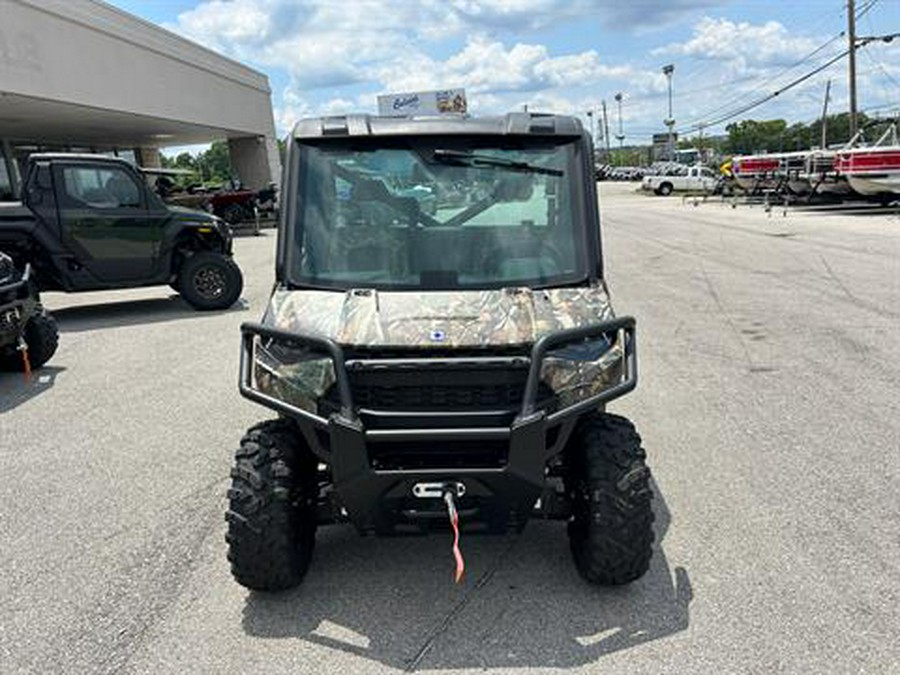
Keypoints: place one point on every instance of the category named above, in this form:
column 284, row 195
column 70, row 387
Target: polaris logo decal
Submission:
column 437, row 336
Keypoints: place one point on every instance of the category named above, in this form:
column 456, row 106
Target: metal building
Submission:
column 82, row 75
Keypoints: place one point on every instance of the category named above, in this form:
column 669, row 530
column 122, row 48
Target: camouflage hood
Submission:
column 508, row 316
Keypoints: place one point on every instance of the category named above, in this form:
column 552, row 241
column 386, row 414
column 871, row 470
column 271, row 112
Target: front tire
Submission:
column 210, row 281
column 272, row 508
column 665, row 189
column 611, row 532
column 42, row 337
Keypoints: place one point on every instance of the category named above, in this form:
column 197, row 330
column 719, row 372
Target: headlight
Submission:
column 577, row 372
column 295, row 375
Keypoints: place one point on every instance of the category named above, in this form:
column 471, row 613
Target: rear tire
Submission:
column 665, row 189
column 611, row 532
column 233, row 214
column 272, row 508
column 42, row 337
column 210, row 280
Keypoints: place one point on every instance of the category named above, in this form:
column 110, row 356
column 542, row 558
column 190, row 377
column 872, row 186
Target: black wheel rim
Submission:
column 209, row 282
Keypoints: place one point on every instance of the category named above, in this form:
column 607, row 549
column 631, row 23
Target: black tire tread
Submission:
column 42, row 336
column 233, row 275
column 271, row 516
column 611, row 534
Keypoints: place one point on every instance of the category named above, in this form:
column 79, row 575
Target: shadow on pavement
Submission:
column 522, row 605
column 14, row 390
column 132, row 313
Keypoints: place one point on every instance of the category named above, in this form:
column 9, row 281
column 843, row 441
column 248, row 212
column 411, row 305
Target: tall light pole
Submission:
column 621, row 134
column 824, row 142
column 605, row 130
column 590, row 116
column 670, row 121
column 851, row 38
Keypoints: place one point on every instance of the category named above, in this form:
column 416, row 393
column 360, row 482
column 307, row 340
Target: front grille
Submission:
column 437, row 397
column 426, row 387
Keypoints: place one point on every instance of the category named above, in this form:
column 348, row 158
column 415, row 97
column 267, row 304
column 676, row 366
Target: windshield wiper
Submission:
column 463, row 158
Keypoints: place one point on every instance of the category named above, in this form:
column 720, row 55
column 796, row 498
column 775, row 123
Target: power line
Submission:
column 865, row 9
column 769, row 97
column 880, row 63
column 884, row 71
column 694, row 73
column 862, row 11
column 862, row 43
column 738, row 101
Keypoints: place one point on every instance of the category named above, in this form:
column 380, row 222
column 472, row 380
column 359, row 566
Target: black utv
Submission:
column 28, row 334
column 439, row 346
column 90, row 222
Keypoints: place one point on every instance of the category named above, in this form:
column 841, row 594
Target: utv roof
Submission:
column 511, row 124
column 75, row 157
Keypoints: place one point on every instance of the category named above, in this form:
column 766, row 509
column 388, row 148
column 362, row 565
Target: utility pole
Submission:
column 621, row 134
column 851, row 37
column 824, row 144
column 606, row 130
column 590, row 116
column 670, row 121
column 599, row 142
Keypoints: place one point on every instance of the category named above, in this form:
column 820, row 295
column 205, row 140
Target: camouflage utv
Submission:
column 28, row 335
column 439, row 345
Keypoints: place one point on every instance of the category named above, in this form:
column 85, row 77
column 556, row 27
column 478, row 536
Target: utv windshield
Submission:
column 448, row 214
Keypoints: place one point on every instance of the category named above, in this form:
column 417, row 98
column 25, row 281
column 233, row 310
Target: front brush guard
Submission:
column 622, row 325
column 515, row 485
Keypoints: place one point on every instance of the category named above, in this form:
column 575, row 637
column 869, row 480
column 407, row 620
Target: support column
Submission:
column 149, row 158
column 255, row 161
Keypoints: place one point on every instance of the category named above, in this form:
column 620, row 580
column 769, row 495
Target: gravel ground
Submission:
column 769, row 404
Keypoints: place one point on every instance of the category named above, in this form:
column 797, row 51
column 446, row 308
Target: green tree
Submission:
column 185, row 160
column 215, row 163
column 752, row 136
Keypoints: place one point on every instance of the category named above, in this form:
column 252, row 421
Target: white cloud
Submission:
column 743, row 43
column 336, row 57
column 322, row 43
column 487, row 66
column 220, row 24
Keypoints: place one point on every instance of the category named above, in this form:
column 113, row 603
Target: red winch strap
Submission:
column 454, row 523
column 26, row 362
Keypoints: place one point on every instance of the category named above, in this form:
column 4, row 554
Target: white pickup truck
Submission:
column 689, row 178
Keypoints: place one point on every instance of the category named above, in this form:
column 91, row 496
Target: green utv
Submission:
column 90, row 223
column 439, row 344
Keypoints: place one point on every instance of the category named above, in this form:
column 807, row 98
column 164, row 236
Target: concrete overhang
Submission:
column 24, row 118
column 111, row 77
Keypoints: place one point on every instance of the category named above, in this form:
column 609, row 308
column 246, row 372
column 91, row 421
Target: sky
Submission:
column 563, row 56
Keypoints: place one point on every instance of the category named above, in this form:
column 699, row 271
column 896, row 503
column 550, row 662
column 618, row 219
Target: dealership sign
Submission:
column 439, row 102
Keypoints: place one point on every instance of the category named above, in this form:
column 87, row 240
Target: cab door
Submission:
column 105, row 222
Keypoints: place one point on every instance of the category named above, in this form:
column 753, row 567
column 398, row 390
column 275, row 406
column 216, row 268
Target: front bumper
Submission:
column 500, row 491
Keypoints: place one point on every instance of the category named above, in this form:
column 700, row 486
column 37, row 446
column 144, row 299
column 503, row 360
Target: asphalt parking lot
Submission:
column 769, row 404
